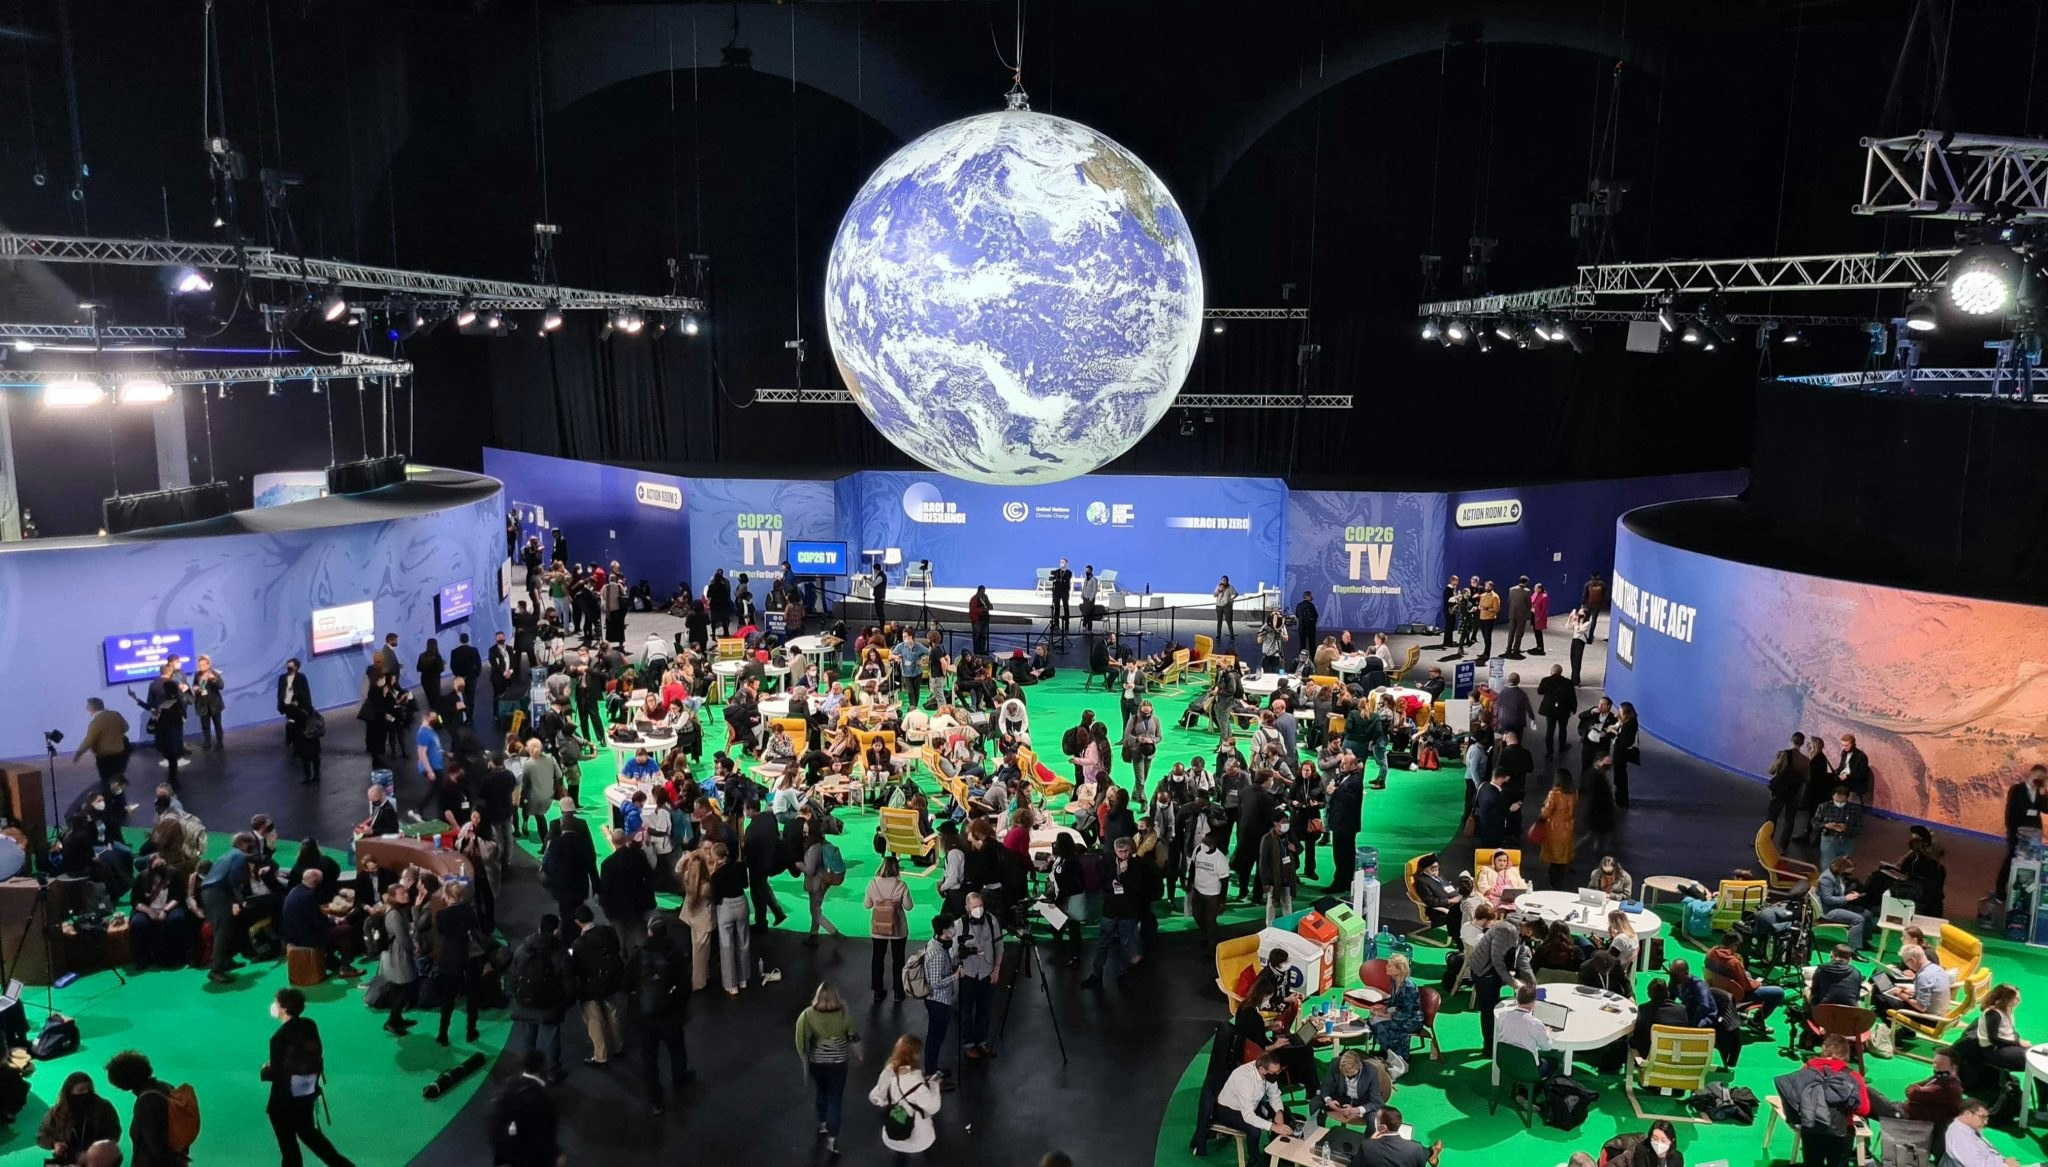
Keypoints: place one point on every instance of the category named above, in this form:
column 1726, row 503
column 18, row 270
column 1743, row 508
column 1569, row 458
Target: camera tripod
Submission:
column 1026, row 964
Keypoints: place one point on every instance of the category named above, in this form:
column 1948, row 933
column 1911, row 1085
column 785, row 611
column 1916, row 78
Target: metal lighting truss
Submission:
column 262, row 263
column 836, row 396
column 1935, row 175
column 60, row 332
column 1255, row 314
column 354, row 367
column 1839, row 272
column 1991, row 377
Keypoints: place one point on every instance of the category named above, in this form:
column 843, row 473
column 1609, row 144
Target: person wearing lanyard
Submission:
column 981, row 969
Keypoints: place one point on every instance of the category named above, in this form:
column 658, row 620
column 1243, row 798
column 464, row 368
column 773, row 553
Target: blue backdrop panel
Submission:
column 743, row 524
column 1176, row 534
column 1566, row 529
column 1371, row 559
column 639, row 518
column 248, row 600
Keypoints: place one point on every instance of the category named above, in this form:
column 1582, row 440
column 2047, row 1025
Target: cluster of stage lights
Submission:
column 1520, row 332
column 81, row 392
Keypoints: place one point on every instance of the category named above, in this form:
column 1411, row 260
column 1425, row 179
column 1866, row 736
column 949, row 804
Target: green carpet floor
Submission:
column 1416, row 813
column 217, row 1037
column 1448, row 1099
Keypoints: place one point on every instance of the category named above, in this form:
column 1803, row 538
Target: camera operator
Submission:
column 980, row 953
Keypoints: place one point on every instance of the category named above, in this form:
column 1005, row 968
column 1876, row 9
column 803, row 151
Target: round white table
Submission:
column 2037, row 1064
column 1263, row 685
column 810, row 645
column 774, row 707
column 1565, row 905
column 1400, row 693
column 1593, row 1018
column 1350, row 663
column 657, row 745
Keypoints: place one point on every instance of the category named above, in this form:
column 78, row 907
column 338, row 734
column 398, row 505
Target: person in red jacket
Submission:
column 1726, row 962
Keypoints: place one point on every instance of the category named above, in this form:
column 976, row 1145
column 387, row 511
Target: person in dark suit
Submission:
column 1518, row 617
column 761, row 849
column 1439, row 899
column 1347, row 802
column 1853, row 771
column 456, row 968
column 465, row 662
column 569, row 869
column 1062, row 579
column 294, row 1071
column 658, row 1000
column 294, row 692
column 525, row 1128
column 387, row 657
column 1625, row 752
column 166, row 704
column 1305, row 615
column 1352, row 1091
column 1491, row 809
column 1556, row 700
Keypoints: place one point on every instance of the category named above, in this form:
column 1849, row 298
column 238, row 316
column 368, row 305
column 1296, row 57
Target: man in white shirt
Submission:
column 1519, row 1027
column 1931, row 986
column 1964, row 1145
column 1250, row 1087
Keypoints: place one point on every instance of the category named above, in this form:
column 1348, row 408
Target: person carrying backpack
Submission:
column 598, row 964
column 165, row 1121
column 658, row 996
column 540, row 993
column 295, row 1072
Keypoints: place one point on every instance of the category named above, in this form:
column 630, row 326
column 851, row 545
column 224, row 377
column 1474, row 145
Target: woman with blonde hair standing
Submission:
column 693, row 875
column 828, row 1041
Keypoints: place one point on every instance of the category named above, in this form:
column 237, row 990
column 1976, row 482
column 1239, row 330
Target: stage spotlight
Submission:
column 1216, row 329
column 1187, row 424
column 1457, row 330
column 24, row 346
column 1665, row 315
column 333, row 307
column 1208, row 416
column 144, row 391
column 1982, row 279
column 1566, row 331
column 631, row 323
column 1920, row 312
column 1693, row 333
column 273, row 388
column 551, row 320
column 495, row 322
column 1545, row 329
column 605, row 333
column 465, row 315
column 690, row 325
column 76, row 393
column 1504, row 328
column 1793, row 337
column 1485, row 342
column 1879, row 337
column 1430, row 331
column 191, row 280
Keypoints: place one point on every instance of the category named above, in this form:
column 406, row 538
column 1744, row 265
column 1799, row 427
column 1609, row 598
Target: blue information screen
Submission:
column 453, row 603
column 138, row 656
column 809, row 558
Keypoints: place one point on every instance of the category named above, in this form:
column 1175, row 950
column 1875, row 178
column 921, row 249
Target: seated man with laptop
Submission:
column 1929, row 992
column 1530, row 1025
column 1250, row 1101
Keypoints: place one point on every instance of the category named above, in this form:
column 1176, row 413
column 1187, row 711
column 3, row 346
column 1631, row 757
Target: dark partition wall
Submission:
column 1944, row 493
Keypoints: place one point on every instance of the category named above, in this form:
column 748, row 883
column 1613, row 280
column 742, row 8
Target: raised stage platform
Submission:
column 1027, row 606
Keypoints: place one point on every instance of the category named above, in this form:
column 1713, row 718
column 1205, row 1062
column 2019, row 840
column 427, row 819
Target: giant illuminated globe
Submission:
column 1013, row 298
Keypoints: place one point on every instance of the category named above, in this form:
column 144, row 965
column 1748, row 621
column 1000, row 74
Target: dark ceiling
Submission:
column 1319, row 148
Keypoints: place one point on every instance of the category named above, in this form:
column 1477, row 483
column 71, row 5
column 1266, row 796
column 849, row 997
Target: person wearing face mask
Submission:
column 1250, row 1100
column 980, row 950
column 1657, row 1149
column 294, row 1071
column 1278, row 855
column 294, row 695
column 79, row 1119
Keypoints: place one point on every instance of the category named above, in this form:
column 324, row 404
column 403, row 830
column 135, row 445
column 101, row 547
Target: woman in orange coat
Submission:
column 1560, row 827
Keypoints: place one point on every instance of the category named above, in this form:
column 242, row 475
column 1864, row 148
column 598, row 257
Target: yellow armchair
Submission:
column 1232, row 958
column 1961, row 952
column 1783, row 873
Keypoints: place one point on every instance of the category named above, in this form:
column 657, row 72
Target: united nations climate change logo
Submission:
column 1016, row 512
column 1098, row 513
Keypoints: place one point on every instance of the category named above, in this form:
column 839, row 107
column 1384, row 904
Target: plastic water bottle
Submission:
column 1323, row 1152
column 1372, row 946
column 1384, row 941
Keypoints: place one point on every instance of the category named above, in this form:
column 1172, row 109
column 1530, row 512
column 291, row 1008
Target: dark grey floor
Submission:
column 1126, row 1049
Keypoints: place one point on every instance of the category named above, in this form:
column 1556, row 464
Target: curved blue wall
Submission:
column 248, row 599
